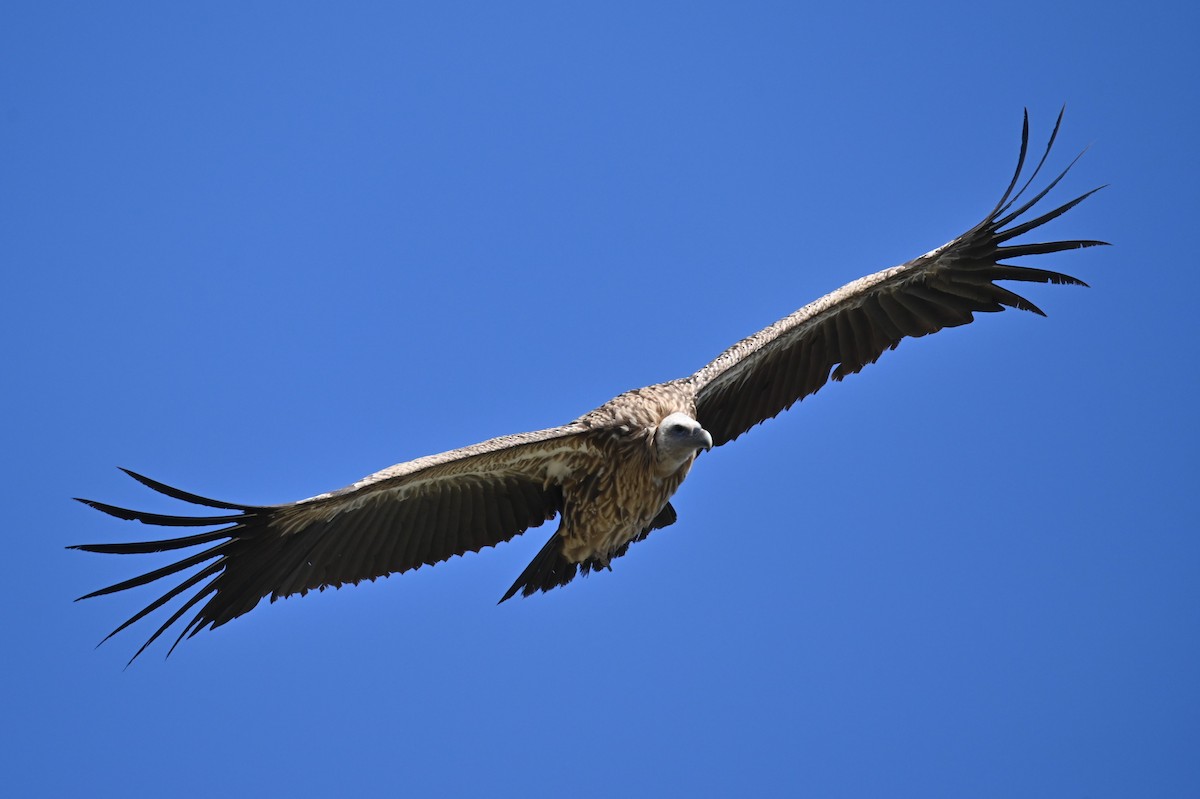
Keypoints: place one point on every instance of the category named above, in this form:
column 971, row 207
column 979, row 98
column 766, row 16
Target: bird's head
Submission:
column 677, row 440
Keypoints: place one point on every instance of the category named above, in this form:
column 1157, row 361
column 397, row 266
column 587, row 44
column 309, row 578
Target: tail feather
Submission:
column 550, row 568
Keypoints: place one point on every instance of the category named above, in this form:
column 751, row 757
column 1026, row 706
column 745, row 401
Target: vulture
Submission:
column 609, row 475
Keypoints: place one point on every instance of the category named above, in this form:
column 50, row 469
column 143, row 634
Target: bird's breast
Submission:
column 612, row 506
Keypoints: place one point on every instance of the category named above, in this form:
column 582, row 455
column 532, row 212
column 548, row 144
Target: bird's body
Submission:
column 606, row 506
column 610, row 474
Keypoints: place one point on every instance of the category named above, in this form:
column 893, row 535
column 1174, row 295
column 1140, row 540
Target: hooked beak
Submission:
column 703, row 439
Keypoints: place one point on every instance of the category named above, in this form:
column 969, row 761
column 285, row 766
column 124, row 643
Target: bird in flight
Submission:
column 609, row 475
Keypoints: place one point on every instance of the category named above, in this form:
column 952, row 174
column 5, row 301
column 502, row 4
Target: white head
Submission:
column 677, row 440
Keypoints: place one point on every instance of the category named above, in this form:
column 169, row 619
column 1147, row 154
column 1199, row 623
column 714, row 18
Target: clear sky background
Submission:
column 261, row 250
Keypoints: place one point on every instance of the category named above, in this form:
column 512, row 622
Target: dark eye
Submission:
column 678, row 428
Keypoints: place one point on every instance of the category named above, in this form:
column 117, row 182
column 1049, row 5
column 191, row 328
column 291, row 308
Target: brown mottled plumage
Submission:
column 610, row 474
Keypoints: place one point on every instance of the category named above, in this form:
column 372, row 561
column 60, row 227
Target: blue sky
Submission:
column 259, row 251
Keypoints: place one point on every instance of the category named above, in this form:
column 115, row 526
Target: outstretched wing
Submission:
column 412, row 514
column 839, row 334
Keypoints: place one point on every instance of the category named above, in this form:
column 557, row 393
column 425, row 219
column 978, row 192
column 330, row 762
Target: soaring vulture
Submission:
column 610, row 474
